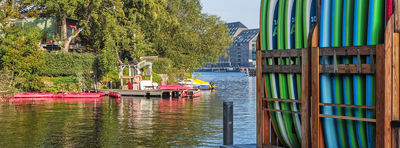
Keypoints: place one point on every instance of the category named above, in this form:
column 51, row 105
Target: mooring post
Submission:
column 228, row 123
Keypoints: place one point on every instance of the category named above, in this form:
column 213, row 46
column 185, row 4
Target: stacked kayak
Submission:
column 58, row 95
column 286, row 25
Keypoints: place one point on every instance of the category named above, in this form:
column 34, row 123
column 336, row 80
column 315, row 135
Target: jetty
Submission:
column 151, row 93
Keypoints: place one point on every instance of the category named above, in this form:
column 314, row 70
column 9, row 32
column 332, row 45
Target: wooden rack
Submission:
column 386, row 68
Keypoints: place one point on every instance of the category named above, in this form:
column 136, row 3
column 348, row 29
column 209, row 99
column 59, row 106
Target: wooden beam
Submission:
column 396, row 13
column 384, row 88
column 349, row 106
column 282, row 111
column 347, row 118
column 305, row 98
column 282, row 100
column 259, row 94
column 347, row 69
column 315, row 73
column 292, row 69
column 395, row 84
column 285, row 53
column 350, row 50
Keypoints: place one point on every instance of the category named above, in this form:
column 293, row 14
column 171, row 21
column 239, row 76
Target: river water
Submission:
column 133, row 122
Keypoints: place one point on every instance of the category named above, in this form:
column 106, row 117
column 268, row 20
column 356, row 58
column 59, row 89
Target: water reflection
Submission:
column 131, row 122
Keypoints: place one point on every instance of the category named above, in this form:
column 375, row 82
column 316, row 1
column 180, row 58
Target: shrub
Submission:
column 66, row 64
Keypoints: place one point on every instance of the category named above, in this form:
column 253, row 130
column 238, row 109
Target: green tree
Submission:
column 81, row 10
column 19, row 56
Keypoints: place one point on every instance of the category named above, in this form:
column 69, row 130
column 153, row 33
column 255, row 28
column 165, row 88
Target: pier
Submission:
column 150, row 93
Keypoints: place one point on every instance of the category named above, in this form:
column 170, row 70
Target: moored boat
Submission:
column 114, row 95
column 57, row 95
column 197, row 84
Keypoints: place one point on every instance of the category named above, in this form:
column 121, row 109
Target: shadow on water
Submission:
column 132, row 122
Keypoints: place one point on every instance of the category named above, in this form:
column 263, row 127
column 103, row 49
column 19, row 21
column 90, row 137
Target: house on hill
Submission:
column 51, row 30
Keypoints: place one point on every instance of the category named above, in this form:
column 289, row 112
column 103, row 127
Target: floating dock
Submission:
column 149, row 93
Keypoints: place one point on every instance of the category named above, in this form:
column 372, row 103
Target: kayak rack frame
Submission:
column 386, row 68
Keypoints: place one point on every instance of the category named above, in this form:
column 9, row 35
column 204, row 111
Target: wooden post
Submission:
column 384, row 88
column 396, row 12
column 315, row 91
column 306, row 89
column 395, row 89
column 259, row 95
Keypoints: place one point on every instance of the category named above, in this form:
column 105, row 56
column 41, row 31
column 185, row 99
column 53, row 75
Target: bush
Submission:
column 66, row 64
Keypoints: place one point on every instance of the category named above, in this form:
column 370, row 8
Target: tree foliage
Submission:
column 124, row 30
column 20, row 56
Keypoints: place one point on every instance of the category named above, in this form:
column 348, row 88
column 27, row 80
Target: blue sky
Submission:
column 245, row 11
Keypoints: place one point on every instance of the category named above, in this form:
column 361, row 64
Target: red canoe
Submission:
column 114, row 95
column 191, row 94
column 173, row 87
column 34, row 95
column 58, row 95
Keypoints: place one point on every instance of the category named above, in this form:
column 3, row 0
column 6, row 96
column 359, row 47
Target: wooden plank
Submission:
column 281, row 69
column 259, row 94
column 283, row 100
column 349, row 106
column 350, row 50
column 384, row 88
column 284, row 53
column 396, row 13
column 346, row 69
column 315, row 136
column 305, row 99
column 395, row 84
column 282, row 111
column 347, row 118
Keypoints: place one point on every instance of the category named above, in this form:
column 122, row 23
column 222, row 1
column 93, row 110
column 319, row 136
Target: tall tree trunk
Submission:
column 64, row 37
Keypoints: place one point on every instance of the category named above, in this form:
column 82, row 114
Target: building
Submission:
column 51, row 29
column 242, row 52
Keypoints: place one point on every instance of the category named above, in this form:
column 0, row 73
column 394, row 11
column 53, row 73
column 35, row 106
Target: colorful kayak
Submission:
column 347, row 40
column 283, row 81
column 336, row 41
column 289, row 38
column 329, row 127
column 272, row 82
column 360, row 34
column 376, row 23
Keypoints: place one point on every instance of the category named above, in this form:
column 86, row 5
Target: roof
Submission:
column 234, row 26
column 246, row 36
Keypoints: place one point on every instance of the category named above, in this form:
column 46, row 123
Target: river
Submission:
column 133, row 122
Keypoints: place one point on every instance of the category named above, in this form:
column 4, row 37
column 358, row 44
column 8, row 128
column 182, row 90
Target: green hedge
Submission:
column 66, row 64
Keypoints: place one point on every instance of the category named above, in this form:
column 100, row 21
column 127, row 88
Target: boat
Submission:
column 197, row 84
column 114, row 95
column 194, row 93
column 33, row 95
column 173, row 87
column 81, row 95
column 57, row 95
